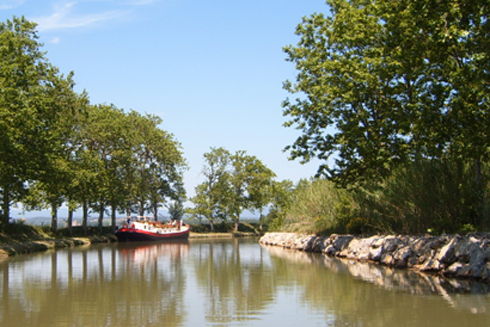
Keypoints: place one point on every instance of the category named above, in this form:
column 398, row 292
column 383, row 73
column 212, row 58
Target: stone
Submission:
column 431, row 264
column 391, row 244
column 375, row 253
column 341, row 241
column 387, row 259
column 446, row 254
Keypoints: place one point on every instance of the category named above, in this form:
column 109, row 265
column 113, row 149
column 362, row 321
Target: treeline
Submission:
column 56, row 148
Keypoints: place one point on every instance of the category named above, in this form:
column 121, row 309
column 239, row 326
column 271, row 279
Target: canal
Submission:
column 234, row 282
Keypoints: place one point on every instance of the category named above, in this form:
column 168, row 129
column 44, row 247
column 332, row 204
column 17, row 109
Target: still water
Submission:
column 225, row 283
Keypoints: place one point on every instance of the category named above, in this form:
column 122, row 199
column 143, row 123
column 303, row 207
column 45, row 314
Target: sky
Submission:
column 211, row 69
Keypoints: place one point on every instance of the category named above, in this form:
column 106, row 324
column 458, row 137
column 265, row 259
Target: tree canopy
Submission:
column 232, row 183
column 383, row 82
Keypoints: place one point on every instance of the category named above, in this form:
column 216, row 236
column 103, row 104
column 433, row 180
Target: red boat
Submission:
column 142, row 228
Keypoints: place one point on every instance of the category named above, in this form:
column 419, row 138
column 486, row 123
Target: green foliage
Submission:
column 426, row 195
column 282, row 196
column 317, row 207
column 385, row 81
column 176, row 210
column 397, row 92
column 55, row 147
column 233, row 183
column 34, row 101
column 20, row 231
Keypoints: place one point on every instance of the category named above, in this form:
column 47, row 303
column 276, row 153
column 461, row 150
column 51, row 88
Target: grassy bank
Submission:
column 19, row 238
column 23, row 239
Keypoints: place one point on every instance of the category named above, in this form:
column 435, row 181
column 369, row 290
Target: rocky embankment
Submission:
column 450, row 255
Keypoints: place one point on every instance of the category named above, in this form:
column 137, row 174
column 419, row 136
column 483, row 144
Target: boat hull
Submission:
column 132, row 235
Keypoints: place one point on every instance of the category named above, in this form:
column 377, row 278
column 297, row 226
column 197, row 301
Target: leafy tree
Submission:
column 159, row 164
column 248, row 188
column 176, row 209
column 233, row 183
column 34, row 100
column 386, row 81
column 209, row 199
column 282, row 194
column 260, row 189
column 55, row 180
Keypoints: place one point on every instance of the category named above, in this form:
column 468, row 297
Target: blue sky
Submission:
column 212, row 70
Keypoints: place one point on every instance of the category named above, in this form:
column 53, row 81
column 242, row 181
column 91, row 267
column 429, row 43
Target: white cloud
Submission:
column 66, row 17
column 9, row 4
column 55, row 40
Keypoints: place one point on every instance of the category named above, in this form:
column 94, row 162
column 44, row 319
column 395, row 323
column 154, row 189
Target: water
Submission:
column 225, row 283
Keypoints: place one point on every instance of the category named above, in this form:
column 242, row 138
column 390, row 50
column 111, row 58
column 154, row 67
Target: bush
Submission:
column 439, row 196
column 318, row 207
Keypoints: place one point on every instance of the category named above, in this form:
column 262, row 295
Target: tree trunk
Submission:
column 70, row 221
column 478, row 173
column 101, row 215
column 54, row 216
column 5, row 206
column 85, row 217
column 142, row 208
column 237, row 220
column 155, row 211
column 113, row 217
column 260, row 220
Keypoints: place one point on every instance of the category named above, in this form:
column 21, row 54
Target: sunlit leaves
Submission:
column 64, row 149
column 384, row 81
column 233, row 183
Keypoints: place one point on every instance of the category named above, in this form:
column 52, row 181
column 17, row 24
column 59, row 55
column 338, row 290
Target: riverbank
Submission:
column 38, row 242
column 15, row 247
column 449, row 255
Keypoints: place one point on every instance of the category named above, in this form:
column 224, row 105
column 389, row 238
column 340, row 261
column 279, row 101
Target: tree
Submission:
column 282, row 195
column 387, row 81
column 210, row 195
column 176, row 209
column 260, row 188
column 34, row 100
column 158, row 164
column 233, row 183
column 249, row 182
column 55, row 179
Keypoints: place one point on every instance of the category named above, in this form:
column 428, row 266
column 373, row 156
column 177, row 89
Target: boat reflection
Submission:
column 148, row 252
column 128, row 284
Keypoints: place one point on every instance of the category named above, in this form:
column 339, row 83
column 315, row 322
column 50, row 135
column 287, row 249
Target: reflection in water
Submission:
column 124, row 285
column 236, row 281
column 225, row 283
column 410, row 281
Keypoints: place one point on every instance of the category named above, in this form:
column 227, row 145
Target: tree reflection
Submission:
column 236, row 288
column 343, row 291
column 225, row 283
column 91, row 288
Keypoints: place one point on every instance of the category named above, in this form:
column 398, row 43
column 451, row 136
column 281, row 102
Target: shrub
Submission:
column 426, row 195
column 318, row 207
